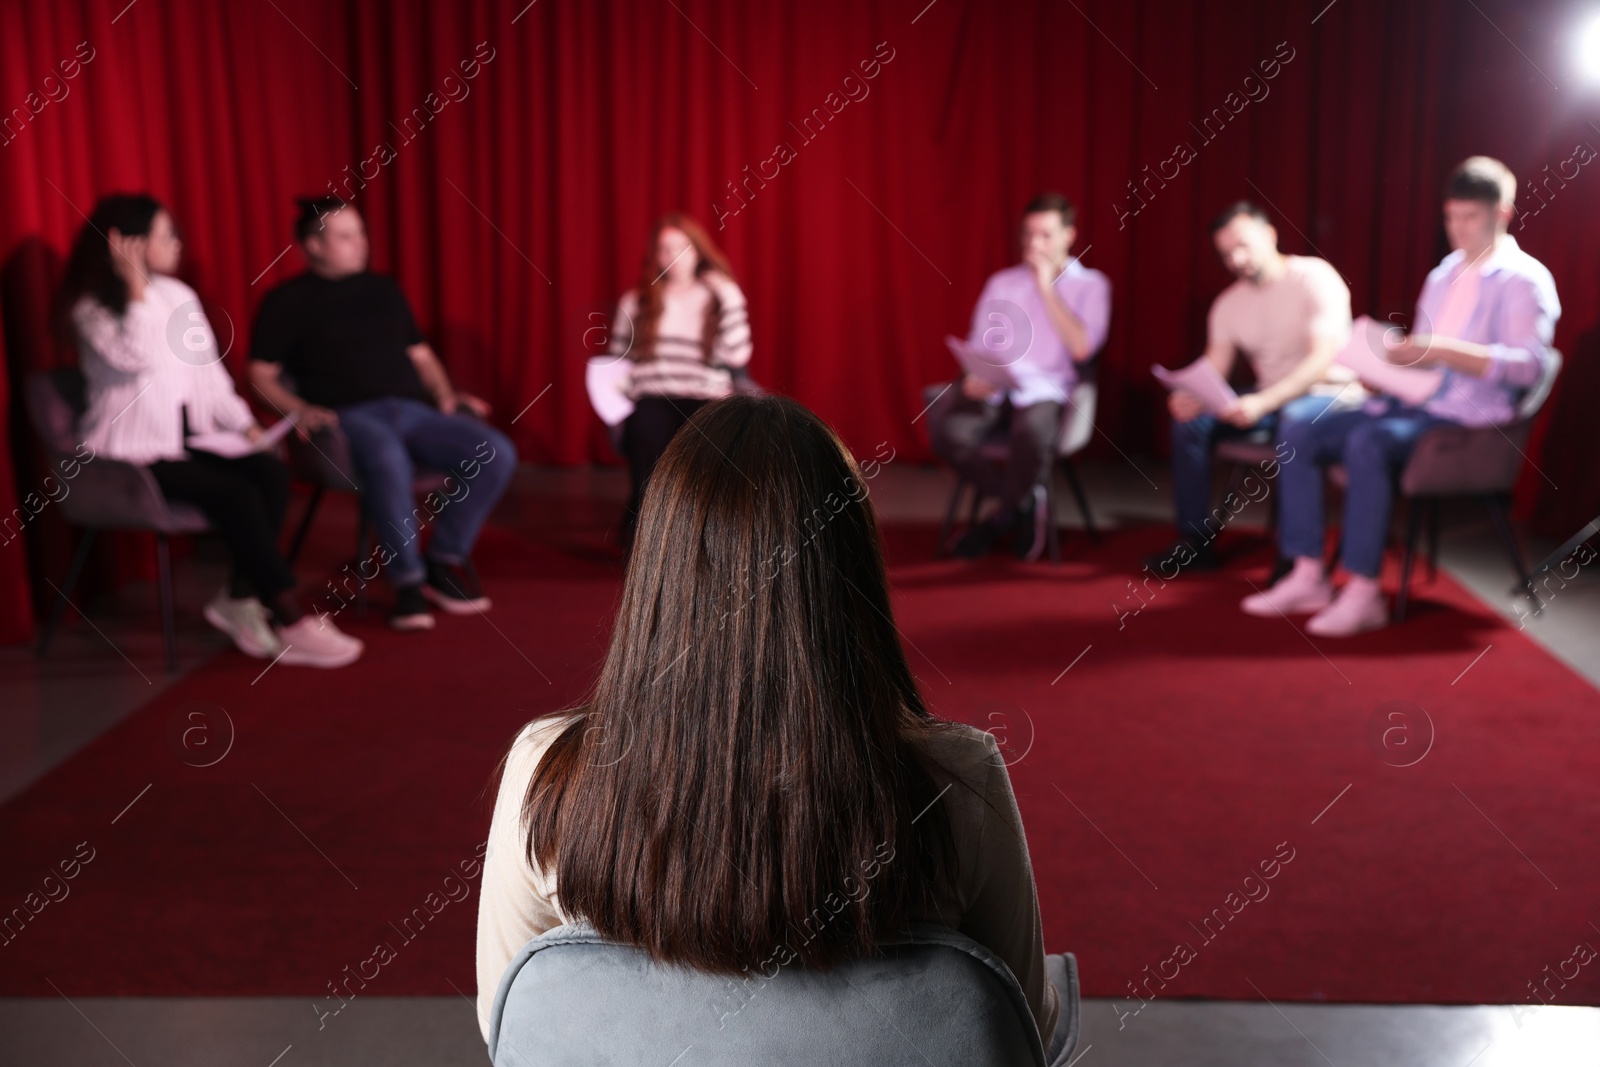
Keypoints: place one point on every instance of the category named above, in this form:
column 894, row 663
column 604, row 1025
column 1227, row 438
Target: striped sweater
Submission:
column 677, row 363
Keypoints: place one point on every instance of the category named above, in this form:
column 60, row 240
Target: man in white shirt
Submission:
column 1288, row 316
column 1042, row 319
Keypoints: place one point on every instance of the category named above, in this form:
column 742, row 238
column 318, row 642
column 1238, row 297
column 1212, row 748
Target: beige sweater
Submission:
column 995, row 903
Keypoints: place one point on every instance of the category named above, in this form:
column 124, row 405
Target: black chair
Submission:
column 1241, row 454
column 1077, row 427
column 107, row 494
column 1560, row 555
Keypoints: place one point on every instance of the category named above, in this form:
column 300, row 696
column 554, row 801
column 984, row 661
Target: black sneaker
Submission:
column 1029, row 543
column 410, row 611
column 1183, row 556
column 454, row 587
column 976, row 542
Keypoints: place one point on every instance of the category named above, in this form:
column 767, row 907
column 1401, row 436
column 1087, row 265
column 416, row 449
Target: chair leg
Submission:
column 977, row 499
column 363, row 552
column 1083, row 500
column 941, row 547
column 1236, row 476
column 1508, row 538
column 1433, row 540
column 1412, row 524
column 305, row 525
column 59, row 610
column 169, row 630
column 1572, row 545
column 1053, row 529
column 1333, row 560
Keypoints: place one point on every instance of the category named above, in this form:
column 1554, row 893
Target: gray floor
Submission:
column 100, row 672
column 441, row 1032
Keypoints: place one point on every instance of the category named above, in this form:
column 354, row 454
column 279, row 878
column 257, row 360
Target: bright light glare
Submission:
column 1588, row 55
column 1547, row 1035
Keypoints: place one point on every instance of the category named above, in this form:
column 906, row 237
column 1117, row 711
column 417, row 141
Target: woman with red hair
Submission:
column 685, row 330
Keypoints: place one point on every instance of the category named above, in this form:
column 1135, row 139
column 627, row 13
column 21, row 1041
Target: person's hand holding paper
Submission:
column 981, row 369
column 1202, row 384
column 1388, row 361
column 1246, row 411
column 235, row 443
column 974, row 388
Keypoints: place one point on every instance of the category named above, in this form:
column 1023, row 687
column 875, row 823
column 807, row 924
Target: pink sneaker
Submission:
column 1360, row 607
column 1301, row 591
column 317, row 642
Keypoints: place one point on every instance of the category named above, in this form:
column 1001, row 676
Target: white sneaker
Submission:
column 317, row 642
column 1302, row 590
column 1360, row 607
column 245, row 621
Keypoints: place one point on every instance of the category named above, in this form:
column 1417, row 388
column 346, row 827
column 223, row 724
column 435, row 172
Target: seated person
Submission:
column 1288, row 316
column 348, row 340
column 152, row 369
column 684, row 327
column 803, row 760
column 1042, row 319
column 1486, row 317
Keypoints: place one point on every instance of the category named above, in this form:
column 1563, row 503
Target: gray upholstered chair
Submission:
column 107, row 494
column 1468, row 461
column 1077, row 427
column 570, row 997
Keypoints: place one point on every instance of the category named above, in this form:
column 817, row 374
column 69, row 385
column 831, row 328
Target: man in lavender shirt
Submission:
column 1041, row 318
column 1486, row 317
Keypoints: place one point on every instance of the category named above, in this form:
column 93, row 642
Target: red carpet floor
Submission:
column 1161, row 758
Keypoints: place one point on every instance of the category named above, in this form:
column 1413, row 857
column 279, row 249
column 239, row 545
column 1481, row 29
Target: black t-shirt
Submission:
column 342, row 340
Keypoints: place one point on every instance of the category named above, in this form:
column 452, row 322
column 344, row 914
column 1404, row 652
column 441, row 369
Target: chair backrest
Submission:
column 1539, row 392
column 106, row 492
column 1467, row 460
column 56, row 402
column 1077, row 421
column 571, row 997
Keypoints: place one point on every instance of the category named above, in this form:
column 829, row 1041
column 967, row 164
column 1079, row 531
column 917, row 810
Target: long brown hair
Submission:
column 708, row 258
column 90, row 269
column 746, row 783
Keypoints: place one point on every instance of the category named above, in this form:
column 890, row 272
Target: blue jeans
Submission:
column 1192, row 444
column 392, row 436
column 1373, row 449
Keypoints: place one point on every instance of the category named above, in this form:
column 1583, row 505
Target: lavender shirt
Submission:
column 1010, row 321
column 1515, row 317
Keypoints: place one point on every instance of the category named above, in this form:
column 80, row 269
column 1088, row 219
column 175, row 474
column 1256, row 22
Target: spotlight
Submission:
column 1588, row 50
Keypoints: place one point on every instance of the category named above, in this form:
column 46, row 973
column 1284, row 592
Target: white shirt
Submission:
column 144, row 369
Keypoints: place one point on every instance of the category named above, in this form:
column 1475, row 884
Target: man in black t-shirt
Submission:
column 347, row 341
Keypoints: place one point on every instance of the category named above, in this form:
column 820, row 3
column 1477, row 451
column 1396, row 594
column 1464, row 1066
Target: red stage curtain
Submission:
column 512, row 203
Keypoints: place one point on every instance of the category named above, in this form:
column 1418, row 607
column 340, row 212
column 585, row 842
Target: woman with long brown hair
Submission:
column 684, row 328
column 754, row 777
